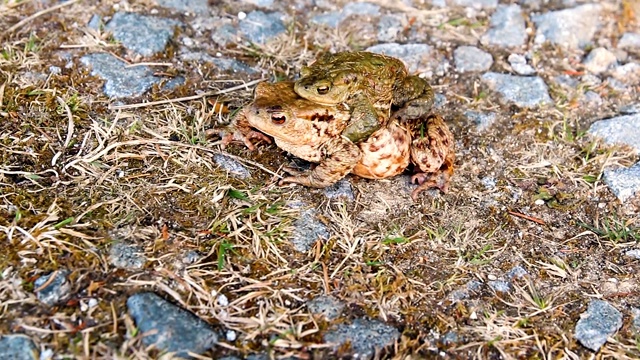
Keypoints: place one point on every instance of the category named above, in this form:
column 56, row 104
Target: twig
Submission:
column 187, row 98
column 38, row 14
column 527, row 217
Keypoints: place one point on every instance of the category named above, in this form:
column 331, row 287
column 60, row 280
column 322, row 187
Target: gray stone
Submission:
column 188, row 6
column 95, row 22
column 500, row 285
column 261, row 3
column 327, row 306
column 390, row 27
column 623, row 129
column 519, row 65
column 629, row 41
column 225, row 34
column 341, row 188
column 120, row 81
column 334, row 18
column 566, row 81
column 145, row 35
column 628, row 74
column 591, row 98
column 635, row 253
column 173, row 83
column 191, row 257
column 507, row 27
column 168, row 327
column 599, row 60
column 517, row 272
column 55, row 70
column 635, row 321
column 482, row 120
column 590, row 80
column 624, row 182
column 439, row 101
column 364, row 336
column 17, row 347
column 475, row 4
column 460, row 294
column 600, row 321
column 573, row 28
column 450, row 338
column 53, row 291
column 259, row 27
column 630, row 109
column 307, row 230
column 470, row 58
column 234, row 66
column 232, row 166
column 489, row 183
column 417, row 57
column 616, row 84
column 126, row 256
column 521, row 91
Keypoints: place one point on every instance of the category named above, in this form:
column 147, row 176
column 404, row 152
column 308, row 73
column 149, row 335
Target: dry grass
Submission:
column 77, row 175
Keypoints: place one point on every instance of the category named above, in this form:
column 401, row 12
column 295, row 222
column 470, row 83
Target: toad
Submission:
column 369, row 84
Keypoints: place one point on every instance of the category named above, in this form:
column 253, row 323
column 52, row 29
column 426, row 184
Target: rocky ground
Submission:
column 127, row 233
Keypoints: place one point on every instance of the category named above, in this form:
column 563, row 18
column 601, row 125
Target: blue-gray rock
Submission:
column 599, row 322
column 17, row 347
column 470, row 58
column 592, row 99
column 460, row 294
column 334, row 18
column 476, row 4
column 629, row 41
column 482, row 120
column 327, row 306
column 225, row 34
column 190, row 6
column 417, row 57
column 307, row 229
column 519, row 90
column 635, row 253
column 489, row 183
column 630, row 109
column 519, row 64
column 500, row 285
column 365, row 336
column 390, row 27
column 126, row 256
column 120, row 81
column 341, row 188
column 55, row 70
column 232, row 166
column 599, row 60
column 566, row 81
column 234, row 66
column 439, row 101
column 261, row 3
column 145, row 35
column 616, row 85
column 450, row 338
column 95, row 22
column 624, row 182
column 173, row 83
column 517, row 272
column 259, row 27
column 635, row 321
column 168, row 327
column 506, row 28
column 623, row 129
column 53, row 291
column 628, row 74
column 573, row 28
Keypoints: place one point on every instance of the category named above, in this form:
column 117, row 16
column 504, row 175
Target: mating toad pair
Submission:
column 351, row 112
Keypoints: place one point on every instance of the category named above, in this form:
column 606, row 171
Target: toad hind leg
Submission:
column 340, row 157
column 415, row 98
column 433, row 154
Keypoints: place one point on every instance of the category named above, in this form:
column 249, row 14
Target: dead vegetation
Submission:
column 76, row 176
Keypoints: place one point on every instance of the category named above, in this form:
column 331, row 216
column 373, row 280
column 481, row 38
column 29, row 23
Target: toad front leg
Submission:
column 364, row 120
column 340, row 156
column 238, row 130
column 415, row 98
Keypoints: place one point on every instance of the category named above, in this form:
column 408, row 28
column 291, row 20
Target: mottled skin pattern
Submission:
column 312, row 132
column 369, row 84
column 432, row 154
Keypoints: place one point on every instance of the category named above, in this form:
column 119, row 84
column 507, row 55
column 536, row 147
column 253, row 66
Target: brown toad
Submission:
column 369, row 84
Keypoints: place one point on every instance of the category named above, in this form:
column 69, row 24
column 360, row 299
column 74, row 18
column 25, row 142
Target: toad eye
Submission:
column 278, row 119
column 322, row 90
